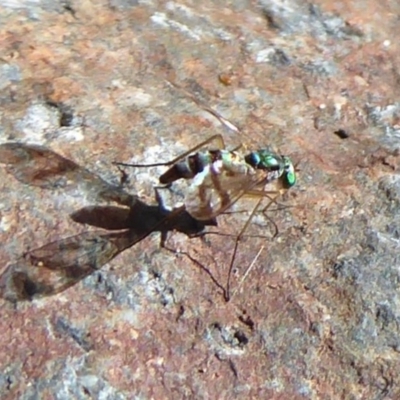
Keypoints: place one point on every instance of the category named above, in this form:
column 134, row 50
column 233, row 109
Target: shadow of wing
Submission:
column 106, row 217
column 37, row 165
column 56, row 266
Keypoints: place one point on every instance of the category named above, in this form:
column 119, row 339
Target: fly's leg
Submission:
column 217, row 138
column 193, row 260
column 163, row 241
column 261, row 195
column 200, row 266
column 272, row 196
column 249, row 268
column 279, row 207
column 238, row 238
column 124, row 178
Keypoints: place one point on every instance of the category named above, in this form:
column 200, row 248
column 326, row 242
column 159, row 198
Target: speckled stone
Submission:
column 317, row 316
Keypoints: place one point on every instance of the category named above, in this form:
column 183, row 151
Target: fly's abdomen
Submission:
column 189, row 167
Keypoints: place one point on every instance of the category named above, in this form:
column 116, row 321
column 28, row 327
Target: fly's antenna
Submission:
column 206, row 108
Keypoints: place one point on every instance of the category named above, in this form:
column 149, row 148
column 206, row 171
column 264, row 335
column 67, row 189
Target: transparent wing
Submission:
column 219, row 186
column 56, row 266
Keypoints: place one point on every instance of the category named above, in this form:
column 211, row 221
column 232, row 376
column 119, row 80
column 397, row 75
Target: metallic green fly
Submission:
column 221, row 177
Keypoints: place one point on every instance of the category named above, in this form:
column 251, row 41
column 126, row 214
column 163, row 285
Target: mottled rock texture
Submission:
column 318, row 315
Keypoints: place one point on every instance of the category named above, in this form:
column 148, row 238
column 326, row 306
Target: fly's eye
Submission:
column 290, row 173
column 290, row 178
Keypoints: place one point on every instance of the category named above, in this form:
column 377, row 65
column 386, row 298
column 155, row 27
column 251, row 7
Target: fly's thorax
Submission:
column 227, row 166
column 265, row 159
column 276, row 166
column 233, row 163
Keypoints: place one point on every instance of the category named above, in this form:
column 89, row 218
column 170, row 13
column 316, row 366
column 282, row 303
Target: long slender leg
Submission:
column 256, row 193
column 238, row 238
column 163, row 244
column 263, row 193
column 202, row 234
column 218, row 138
column 238, row 147
column 243, row 230
column 250, row 267
column 164, row 229
column 199, row 265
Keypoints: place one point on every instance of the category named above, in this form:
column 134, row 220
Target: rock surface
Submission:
column 317, row 317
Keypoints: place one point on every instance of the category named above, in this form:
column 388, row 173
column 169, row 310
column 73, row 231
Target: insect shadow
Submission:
column 60, row 264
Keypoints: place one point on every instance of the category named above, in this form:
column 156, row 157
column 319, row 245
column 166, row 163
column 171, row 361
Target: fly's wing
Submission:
column 39, row 166
column 58, row 265
column 219, row 186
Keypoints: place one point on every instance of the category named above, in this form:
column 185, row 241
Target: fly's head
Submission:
column 280, row 167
